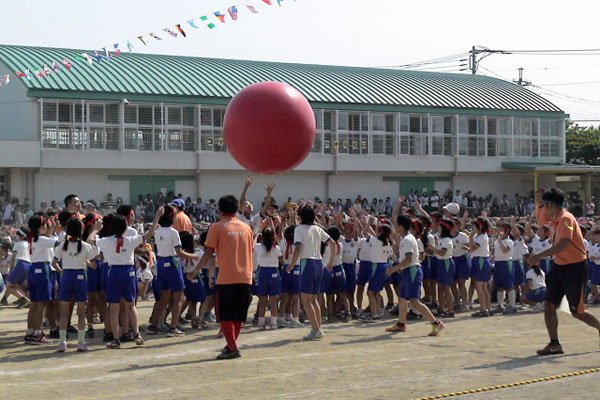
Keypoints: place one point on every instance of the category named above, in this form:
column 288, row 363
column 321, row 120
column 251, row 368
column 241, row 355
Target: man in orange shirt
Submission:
column 232, row 242
column 568, row 277
column 181, row 222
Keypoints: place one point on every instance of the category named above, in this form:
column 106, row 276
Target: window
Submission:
column 354, row 122
column 471, row 126
column 131, row 114
column 329, row 121
column 49, row 111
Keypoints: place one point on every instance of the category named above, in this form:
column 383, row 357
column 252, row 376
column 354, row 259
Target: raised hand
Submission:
column 248, row 180
column 270, row 187
column 160, row 212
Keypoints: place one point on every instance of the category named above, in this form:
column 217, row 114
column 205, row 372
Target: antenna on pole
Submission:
column 521, row 81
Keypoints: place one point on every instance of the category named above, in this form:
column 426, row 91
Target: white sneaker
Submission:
column 539, row 307
column 296, row 324
column 282, row 323
column 319, row 334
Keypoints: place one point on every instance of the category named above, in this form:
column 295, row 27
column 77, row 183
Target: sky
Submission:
column 371, row 33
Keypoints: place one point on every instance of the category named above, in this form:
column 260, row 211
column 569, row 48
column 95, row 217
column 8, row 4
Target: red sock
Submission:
column 238, row 328
column 228, row 329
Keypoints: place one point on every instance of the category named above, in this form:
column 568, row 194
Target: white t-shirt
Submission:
column 499, row 255
column 538, row 281
column 310, row 237
column 21, row 248
column 43, row 249
column 283, row 244
column 70, row 258
column 130, row 231
column 190, row 265
column 350, row 251
column 586, row 244
column 364, row 250
column 445, row 243
column 8, row 211
column 537, row 245
column 484, row 245
column 430, row 242
column 460, row 243
column 337, row 260
column 166, row 239
column 108, row 247
column 379, row 252
column 420, row 246
column 409, row 247
column 266, row 259
column 594, row 252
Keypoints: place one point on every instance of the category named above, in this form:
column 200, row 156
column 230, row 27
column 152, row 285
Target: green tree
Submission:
column 583, row 144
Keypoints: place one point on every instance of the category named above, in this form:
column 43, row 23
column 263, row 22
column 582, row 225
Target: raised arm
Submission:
column 248, row 181
column 269, row 189
column 397, row 208
column 152, row 230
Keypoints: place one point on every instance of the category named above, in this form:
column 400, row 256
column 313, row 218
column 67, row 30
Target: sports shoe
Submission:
column 319, row 334
column 497, row 310
column 296, row 324
column 212, row 317
column 164, row 328
column 137, row 337
column 115, row 344
column 550, row 349
column 370, row 319
column 90, row 333
column 4, row 301
column 394, row 311
column 539, row 307
column 282, row 323
column 126, row 337
column 40, row 339
column 433, row 305
column 62, row 347
column 174, row 332
column 312, row 335
column 389, row 306
column 509, row 310
column 481, row 314
column 108, row 337
column 229, row 354
column 54, row 334
column 29, row 338
column 25, row 304
column 413, row 316
column 82, row 347
column 152, row 330
column 355, row 314
column 396, row 328
column 436, row 328
column 96, row 319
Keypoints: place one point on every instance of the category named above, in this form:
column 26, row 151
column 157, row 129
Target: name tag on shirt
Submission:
column 132, row 273
column 80, row 277
column 38, row 270
column 338, row 274
column 194, row 280
column 166, row 264
column 274, row 275
column 296, row 272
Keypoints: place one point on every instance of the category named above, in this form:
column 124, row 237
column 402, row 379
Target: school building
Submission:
column 141, row 123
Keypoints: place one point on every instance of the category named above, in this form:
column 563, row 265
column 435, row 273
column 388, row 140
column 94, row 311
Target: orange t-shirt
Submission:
column 566, row 226
column 182, row 223
column 233, row 243
column 542, row 216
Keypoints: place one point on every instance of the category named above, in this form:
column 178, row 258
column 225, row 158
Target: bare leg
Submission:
column 551, row 320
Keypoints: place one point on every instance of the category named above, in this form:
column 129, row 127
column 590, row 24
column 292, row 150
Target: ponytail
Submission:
column 268, row 238
column 74, row 231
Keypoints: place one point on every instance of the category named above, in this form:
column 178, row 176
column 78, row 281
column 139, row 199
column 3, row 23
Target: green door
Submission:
column 153, row 185
column 407, row 185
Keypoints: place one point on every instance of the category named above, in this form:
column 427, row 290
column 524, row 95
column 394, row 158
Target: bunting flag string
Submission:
column 209, row 19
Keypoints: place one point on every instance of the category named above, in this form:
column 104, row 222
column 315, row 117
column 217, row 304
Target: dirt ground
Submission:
column 353, row 360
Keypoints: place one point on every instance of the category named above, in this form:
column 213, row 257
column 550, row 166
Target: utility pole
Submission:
column 473, row 61
column 520, row 81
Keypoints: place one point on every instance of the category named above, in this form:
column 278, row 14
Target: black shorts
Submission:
column 232, row 302
column 569, row 280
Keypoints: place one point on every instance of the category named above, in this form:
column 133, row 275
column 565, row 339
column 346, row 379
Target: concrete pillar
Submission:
column 16, row 183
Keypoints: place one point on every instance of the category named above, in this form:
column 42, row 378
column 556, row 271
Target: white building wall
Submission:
column 497, row 184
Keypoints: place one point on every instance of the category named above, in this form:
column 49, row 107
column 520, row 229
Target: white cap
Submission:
column 452, row 208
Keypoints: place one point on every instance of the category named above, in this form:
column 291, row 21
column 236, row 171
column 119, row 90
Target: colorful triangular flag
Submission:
column 106, row 53
column 55, row 66
column 251, row 8
column 46, row 70
column 154, row 36
column 220, row 17
column 267, row 1
column 141, row 38
column 6, row 79
column 79, row 58
column 129, row 46
column 279, row 2
column 178, row 26
column 233, row 12
column 170, row 32
column 117, row 50
column 21, row 74
column 67, row 63
column 39, row 73
column 97, row 56
column 210, row 25
column 193, row 24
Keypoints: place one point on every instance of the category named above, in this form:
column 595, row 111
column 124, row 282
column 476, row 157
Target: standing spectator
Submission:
column 181, row 222
column 590, row 208
column 18, row 216
column 389, row 206
column 43, row 207
column 457, row 198
column 434, row 201
column 140, row 209
column 91, row 207
column 8, row 213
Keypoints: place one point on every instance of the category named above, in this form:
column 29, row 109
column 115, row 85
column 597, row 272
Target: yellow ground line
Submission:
column 522, row 383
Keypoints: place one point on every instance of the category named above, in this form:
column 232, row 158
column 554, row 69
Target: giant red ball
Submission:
column 269, row 127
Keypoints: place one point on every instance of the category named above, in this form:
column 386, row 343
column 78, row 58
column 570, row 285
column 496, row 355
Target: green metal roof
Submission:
column 150, row 77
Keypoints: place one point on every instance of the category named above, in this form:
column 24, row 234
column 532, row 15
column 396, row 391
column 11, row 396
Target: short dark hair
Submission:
column 124, row 210
column 404, row 221
column 166, row 219
column 69, row 198
column 555, row 196
column 228, row 204
column 307, row 215
column 118, row 225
